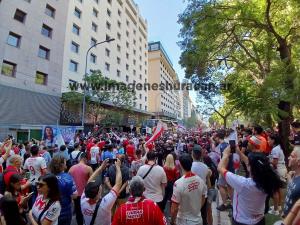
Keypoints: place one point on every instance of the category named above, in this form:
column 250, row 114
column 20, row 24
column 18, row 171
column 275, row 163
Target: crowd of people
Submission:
column 121, row 178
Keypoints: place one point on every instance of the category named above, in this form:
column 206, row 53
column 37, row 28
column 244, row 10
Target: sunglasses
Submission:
column 40, row 184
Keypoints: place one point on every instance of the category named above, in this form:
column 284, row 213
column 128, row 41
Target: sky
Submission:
column 162, row 17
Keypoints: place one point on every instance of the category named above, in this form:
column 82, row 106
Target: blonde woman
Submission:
column 172, row 175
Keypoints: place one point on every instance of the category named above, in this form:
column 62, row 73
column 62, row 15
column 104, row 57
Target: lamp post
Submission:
column 85, row 75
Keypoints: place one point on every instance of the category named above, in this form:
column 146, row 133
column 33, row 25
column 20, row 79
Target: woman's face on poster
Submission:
column 49, row 132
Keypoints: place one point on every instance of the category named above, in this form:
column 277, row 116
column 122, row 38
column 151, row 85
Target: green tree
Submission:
column 257, row 41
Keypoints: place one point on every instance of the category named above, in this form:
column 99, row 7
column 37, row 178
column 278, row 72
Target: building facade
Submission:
column 32, row 35
column 163, row 100
column 125, row 59
column 43, row 47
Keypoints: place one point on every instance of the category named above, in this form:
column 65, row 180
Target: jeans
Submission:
column 65, row 220
column 262, row 222
column 168, row 194
column 78, row 213
column 204, row 212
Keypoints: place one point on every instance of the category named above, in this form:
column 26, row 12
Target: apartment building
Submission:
column 164, row 103
column 124, row 59
column 32, row 35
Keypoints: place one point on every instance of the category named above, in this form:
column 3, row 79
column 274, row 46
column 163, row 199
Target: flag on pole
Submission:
column 59, row 138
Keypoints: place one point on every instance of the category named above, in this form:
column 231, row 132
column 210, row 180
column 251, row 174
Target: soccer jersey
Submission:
column 139, row 211
column 188, row 193
column 104, row 212
column 35, row 165
column 248, row 200
column 51, row 214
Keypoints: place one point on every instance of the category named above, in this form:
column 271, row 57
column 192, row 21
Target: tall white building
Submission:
column 43, row 45
column 32, row 35
column 125, row 59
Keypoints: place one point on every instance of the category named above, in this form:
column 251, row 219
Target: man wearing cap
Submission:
column 97, row 210
column 138, row 210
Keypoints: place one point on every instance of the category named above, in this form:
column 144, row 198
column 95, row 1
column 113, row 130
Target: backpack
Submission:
column 74, row 161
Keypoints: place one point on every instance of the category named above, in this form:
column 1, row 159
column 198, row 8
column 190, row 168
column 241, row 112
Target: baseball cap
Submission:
column 92, row 188
column 197, row 149
column 258, row 142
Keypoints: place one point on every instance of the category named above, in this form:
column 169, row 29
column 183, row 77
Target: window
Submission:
column 127, row 33
column 9, row 68
column 134, row 31
column 140, row 106
column 119, row 36
column 95, row 12
column 134, row 51
column 134, row 42
column 127, row 67
column 108, row 37
column 108, row 26
column 127, row 56
column 145, row 99
column 107, row 52
column 80, row 1
column 134, row 62
column 134, row 104
column 74, row 47
column 93, row 58
column 44, row 52
column 140, row 67
column 97, row 1
column 119, row 12
column 46, row 31
column 41, row 78
column 94, row 27
column 73, row 66
column 76, row 29
column 14, row 39
column 119, row 48
column 127, row 78
column 107, row 66
column 127, row 22
column 77, row 13
column 118, row 60
column 134, row 72
column 93, row 41
column 140, row 96
column 145, row 108
column 119, row 24
column 109, row 1
column 20, row 16
column 127, row 44
column 140, row 76
column 108, row 12
column 118, row 73
column 50, row 11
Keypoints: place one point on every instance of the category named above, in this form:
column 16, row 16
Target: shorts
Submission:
column 181, row 221
column 282, row 173
column 211, row 195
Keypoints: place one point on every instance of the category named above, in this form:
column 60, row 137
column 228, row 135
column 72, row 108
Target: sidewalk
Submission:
column 220, row 218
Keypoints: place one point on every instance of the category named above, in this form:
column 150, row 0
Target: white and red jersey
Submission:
column 188, row 193
column 104, row 211
column 94, row 155
column 248, row 200
column 51, row 214
column 35, row 165
column 139, row 211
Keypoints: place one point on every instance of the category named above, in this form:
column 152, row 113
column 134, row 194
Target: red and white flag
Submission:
column 157, row 132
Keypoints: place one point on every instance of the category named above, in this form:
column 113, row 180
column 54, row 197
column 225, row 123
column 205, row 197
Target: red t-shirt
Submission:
column 139, row 212
column 101, row 144
column 11, row 170
column 172, row 174
column 130, row 151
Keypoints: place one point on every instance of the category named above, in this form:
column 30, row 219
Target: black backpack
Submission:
column 74, row 161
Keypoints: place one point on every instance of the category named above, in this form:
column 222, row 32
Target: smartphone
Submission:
column 29, row 195
column 232, row 145
column 111, row 161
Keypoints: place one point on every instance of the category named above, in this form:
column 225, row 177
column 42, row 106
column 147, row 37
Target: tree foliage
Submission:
column 257, row 42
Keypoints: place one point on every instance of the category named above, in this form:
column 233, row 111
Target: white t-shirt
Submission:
column 51, row 214
column 74, row 154
column 94, row 154
column 248, row 200
column 153, row 182
column 188, row 192
column 277, row 153
column 200, row 169
column 35, row 165
column 104, row 212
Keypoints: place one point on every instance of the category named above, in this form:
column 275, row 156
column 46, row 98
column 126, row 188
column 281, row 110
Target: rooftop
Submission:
column 157, row 45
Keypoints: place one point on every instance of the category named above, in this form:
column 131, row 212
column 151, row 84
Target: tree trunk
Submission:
column 225, row 121
column 284, row 126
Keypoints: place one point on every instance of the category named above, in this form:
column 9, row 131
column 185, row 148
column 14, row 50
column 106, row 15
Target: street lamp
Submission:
column 85, row 75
